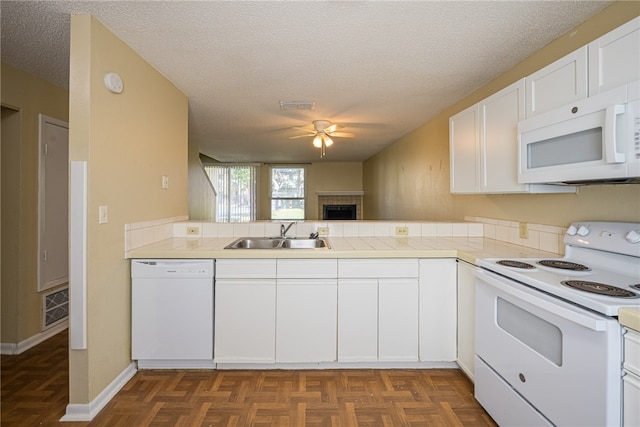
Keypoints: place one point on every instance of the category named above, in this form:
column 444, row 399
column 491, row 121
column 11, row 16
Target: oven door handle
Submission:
column 582, row 319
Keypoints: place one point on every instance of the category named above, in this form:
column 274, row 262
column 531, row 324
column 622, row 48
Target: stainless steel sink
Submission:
column 255, row 243
column 305, row 244
column 277, row 243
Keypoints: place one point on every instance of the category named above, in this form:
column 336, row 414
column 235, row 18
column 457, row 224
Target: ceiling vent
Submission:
column 297, row 105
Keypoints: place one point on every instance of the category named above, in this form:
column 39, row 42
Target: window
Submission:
column 236, row 188
column 287, row 192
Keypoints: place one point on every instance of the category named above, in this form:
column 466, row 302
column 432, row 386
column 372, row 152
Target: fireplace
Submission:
column 340, row 205
column 341, row 212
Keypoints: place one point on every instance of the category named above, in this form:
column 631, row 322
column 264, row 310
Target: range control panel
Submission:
column 618, row 237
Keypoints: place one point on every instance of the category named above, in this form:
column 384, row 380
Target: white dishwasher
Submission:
column 172, row 313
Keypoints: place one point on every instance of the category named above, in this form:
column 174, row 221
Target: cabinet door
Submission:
column 631, row 397
column 306, row 320
column 398, row 320
column 614, row 59
column 464, row 151
column 466, row 315
column 438, row 309
column 499, row 117
column 245, row 321
column 358, row 320
column 558, row 84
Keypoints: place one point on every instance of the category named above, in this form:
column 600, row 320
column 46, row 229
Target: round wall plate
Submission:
column 113, row 82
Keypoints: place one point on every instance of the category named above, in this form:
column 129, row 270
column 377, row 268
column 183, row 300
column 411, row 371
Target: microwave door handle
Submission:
column 611, row 154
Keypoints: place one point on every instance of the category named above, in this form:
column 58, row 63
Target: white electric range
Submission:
column 548, row 343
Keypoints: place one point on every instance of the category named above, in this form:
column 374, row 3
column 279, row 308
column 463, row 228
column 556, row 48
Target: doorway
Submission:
column 53, row 202
column 9, row 223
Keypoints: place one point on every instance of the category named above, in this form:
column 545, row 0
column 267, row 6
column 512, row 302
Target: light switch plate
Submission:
column 165, row 182
column 103, row 214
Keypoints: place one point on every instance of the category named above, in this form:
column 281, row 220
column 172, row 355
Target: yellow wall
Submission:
column 26, row 96
column 114, row 134
column 319, row 177
column 410, row 179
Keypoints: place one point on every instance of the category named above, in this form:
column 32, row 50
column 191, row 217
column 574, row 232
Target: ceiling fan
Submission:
column 322, row 132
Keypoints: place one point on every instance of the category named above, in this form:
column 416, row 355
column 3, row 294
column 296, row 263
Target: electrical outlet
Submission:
column 193, row 231
column 524, row 231
column 323, row 231
column 402, row 231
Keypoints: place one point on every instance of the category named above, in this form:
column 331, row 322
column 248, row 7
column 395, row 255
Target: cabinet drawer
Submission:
column 307, row 268
column 245, row 269
column 632, row 351
column 377, row 268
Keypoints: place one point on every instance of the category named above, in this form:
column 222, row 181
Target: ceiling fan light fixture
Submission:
column 328, row 142
column 317, row 141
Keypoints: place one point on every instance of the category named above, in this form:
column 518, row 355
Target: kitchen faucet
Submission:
column 283, row 230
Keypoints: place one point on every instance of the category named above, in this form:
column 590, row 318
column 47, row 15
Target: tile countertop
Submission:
column 465, row 248
column 630, row 317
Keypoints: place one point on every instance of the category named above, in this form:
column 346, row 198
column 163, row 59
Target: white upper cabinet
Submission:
column 483, row 146
column 499, row 117
column 559, row 83
column 464, row 150
column 614, row 59
column 604, row 64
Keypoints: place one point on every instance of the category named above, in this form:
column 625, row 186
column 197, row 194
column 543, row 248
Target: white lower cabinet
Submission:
column 245, row 321
column 438, row 321
column 306, row 320
column 466, row 315
column 631, row 379
column 357, row 320
column 245, row 311
column 377, row 310
column 327, row 310
column 398, row 320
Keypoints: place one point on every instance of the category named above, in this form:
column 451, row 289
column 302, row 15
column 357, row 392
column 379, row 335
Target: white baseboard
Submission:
column 86, row 412
column 177, row 364
column 21, row 347
column 338, row 365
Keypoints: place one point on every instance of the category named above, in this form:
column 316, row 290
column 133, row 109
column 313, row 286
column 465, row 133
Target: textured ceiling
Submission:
column 379, row 68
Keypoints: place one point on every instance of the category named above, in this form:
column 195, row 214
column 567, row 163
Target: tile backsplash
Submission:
column 542, row 237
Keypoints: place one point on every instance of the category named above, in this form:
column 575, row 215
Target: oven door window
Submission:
column 538, row 334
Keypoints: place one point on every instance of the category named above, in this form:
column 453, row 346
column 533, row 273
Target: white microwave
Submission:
column 593, row 140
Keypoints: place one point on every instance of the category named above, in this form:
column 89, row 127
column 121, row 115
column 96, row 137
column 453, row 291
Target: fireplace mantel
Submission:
column 340, row 193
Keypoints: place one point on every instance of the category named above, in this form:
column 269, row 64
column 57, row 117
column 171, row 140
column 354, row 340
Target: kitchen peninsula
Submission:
column 386, row 294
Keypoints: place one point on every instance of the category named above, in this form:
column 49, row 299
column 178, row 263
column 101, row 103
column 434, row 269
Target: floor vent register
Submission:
column 55, row 306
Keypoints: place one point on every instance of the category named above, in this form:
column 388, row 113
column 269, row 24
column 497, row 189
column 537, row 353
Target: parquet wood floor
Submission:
column 35, row 392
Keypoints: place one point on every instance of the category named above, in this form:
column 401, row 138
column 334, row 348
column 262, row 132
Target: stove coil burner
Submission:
column 636, row 286
column 564, row 265
column 515, row 264
column 599, row 288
